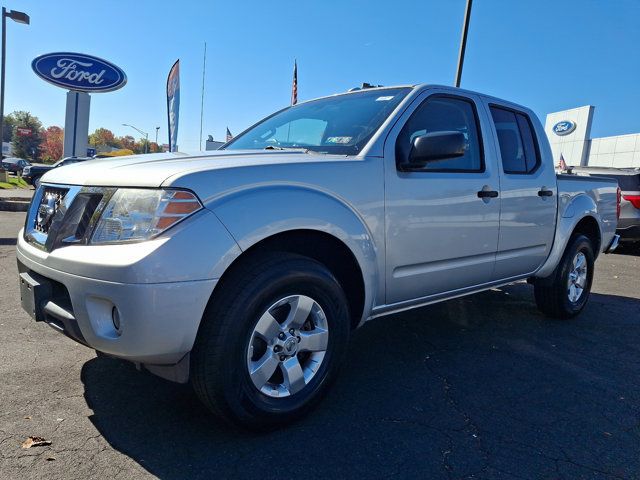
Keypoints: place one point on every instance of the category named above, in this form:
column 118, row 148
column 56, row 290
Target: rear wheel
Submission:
column 565, row 294
column 271, row 341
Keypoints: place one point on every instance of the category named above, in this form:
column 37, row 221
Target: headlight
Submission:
column 135, row 214
column 26, row 170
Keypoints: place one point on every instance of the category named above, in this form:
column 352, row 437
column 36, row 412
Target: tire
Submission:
column 231, row 341
column 555, row 296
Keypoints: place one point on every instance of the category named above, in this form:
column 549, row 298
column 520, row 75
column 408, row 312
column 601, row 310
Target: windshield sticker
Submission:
column 338, row 139
column 384, row 99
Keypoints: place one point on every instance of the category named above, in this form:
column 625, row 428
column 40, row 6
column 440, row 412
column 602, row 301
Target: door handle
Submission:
column 543, row 192
column 487, row 194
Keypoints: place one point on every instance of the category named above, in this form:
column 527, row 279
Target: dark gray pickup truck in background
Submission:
column 629, row 182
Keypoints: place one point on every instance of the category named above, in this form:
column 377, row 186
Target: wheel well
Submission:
column 322, row 247
column 588, row 226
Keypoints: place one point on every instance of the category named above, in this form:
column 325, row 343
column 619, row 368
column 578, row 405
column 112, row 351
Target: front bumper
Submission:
column 158, row 321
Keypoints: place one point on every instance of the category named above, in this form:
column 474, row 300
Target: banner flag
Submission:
column 173, row 104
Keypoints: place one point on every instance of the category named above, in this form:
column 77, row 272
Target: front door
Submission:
column 441, row 234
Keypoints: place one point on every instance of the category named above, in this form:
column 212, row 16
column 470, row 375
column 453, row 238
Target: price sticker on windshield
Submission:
column 341, row 140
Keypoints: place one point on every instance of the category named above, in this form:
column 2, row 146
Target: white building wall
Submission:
column 574, row 147
column 578, row 148
column 619, row 151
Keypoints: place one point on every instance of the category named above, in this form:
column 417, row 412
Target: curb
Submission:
column 14, row 205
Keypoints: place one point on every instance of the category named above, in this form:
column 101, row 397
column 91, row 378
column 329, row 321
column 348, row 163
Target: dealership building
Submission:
column 569, row 133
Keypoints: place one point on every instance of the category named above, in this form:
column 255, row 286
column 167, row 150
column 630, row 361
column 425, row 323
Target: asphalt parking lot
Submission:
column 479, row 387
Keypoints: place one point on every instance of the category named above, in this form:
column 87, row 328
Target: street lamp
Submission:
column 19, row 17
column 146, row 145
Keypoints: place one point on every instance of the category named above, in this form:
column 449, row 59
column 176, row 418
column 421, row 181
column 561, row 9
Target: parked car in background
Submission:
column 629, row 181
column 244, row 270
column 14, row 165
column 32, row 173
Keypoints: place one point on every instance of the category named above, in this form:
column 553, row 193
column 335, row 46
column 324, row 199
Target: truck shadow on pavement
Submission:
column 481, row 386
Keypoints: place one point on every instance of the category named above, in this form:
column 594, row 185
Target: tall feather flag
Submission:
column 173, row 104
column 229, row 136
column 294, row 86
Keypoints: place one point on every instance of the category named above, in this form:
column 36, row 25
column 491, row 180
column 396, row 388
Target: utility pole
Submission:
column 463, row 42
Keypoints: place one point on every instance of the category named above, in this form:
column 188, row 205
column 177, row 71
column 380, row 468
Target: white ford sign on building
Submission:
column 569, row 133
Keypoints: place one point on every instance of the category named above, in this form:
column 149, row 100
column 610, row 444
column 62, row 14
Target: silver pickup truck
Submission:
column 244, row 270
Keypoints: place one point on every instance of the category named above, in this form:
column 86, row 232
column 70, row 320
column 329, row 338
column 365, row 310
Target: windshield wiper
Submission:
column 305, row 150
column 277, row 147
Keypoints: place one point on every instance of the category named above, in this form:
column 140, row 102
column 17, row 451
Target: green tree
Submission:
column 103, row 139
column 7, row 129
column 26, row 146
column 141, row 146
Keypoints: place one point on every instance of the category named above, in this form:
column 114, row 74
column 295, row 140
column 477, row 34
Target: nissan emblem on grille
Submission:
column 47, row 209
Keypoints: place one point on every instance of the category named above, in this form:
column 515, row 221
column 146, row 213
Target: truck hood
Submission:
column 152, row 170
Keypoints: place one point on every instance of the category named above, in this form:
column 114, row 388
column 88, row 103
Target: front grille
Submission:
column 64, row 215
column 49, row 205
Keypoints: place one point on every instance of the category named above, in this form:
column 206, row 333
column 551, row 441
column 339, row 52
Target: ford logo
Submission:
column 564, row 127
column 79, row 72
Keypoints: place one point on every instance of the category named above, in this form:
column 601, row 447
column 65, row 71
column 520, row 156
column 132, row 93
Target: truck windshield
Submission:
column 342, row 124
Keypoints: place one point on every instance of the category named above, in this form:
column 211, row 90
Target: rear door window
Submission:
column 516, row 140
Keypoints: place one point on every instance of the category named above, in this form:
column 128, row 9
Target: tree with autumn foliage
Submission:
column 52, row 144
column 127, row 142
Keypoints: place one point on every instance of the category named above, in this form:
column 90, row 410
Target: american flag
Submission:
column 562, row 165
column 294, row 87
column 229, row 136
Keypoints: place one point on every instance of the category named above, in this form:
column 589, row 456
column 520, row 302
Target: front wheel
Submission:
column 565, row 294
column 271, row 341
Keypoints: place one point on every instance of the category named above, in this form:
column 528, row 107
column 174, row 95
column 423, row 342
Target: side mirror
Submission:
column 435, row 146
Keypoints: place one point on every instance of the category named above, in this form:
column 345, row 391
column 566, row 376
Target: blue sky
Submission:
column 548, row 55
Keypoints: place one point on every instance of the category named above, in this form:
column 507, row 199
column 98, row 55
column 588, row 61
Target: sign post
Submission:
column 76, row 124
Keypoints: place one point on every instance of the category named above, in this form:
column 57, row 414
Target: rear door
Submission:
column 528, row 188
column 441, row 235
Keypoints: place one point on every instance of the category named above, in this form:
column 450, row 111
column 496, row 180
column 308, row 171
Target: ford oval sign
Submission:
column 564, row 127
column 79, row 72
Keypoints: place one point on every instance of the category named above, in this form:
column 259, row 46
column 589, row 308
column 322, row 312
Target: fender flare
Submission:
column 578, row 208
column 254, row 214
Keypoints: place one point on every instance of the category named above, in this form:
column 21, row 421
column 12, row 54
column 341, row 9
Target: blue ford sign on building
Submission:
column 564, row 127
column 79, row 72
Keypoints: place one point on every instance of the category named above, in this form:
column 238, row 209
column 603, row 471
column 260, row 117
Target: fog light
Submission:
column 115, row 318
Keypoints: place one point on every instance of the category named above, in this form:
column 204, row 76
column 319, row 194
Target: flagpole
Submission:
column 294, row 92
column 204, row 66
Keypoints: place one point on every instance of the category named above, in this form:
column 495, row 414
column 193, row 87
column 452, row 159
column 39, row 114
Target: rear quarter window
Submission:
column 518, row 147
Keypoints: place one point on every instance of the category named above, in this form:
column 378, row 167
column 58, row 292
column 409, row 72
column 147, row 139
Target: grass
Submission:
column 14, row 182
